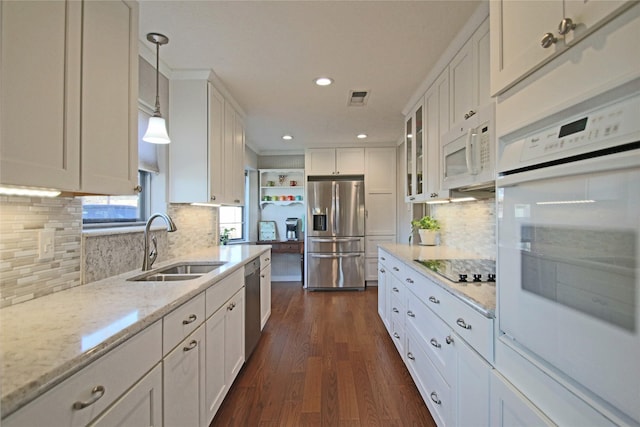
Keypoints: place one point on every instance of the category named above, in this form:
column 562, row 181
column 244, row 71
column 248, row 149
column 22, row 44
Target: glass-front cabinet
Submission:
column 414, row 154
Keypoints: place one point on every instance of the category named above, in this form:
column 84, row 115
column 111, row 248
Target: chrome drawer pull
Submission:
column 435, row 398
column 231, row 306
column 97, row 393
column 193, row 344
column 395, row 334
column 383, row 258
column 449, row 339
column 410, row 314
column 411, row 356
column 434, row 300
column 408, row 280
column 395, row 289
column 396, row 269
column 395, row 310
column 382, row 270
column 192, row 318
column 463, row 324
column 434, row 342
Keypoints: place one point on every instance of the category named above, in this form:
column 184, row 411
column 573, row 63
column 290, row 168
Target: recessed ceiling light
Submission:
column 323, row 81
column 287, row 137
column 362, row 135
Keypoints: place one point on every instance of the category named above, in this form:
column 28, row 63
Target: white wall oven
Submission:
column 568, row 194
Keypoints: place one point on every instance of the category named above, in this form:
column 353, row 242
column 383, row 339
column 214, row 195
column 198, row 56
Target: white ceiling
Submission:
column 267, row 54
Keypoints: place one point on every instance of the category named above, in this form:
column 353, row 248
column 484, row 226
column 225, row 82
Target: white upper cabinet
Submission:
column 207, row 144
column 414, row 154
column 517, row 50
column 69, row 100
column 436, row 106
column 469, row 76
column 334, row 161
column 109, row 97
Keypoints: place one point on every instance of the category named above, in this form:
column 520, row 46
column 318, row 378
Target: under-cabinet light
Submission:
column 209, row 205
column 463, row 199
column 29, row 192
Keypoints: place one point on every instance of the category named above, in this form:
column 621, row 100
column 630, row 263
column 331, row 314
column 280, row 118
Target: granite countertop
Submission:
column 46, row 340
column 482, row 298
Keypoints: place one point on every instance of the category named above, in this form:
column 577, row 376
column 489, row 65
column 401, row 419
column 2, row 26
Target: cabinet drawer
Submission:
column 434, row 389
column 219, row 293
column 432, row 295
column 472, row 326
column 384, row 258
column 265, row 259
column 178, row 324
column 436, row 336
column 110, row 376
column 371, row 243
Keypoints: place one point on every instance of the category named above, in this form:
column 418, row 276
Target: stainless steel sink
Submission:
column 181, row 271
column 191, row 268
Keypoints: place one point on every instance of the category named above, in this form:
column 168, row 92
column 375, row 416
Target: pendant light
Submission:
column 157, row 130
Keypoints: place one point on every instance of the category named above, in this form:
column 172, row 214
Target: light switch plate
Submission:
column 46, row 245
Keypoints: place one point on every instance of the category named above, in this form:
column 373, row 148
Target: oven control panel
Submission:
column 600, row 128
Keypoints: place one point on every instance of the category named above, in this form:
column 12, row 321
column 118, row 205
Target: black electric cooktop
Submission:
column 476, row 271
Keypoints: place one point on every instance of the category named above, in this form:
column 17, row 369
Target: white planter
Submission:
column 428, row 237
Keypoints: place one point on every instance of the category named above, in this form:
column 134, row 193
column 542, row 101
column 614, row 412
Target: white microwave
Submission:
column 468, row 151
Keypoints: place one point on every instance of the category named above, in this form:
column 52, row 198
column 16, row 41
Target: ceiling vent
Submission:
column 358, row 98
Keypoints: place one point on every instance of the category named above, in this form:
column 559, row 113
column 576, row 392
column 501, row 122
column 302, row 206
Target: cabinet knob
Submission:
column 411, row 356
column 435, row 398
column 449, row 339
column 138, row 188
column 410, row 314
column 471, row 113
column 395, row 310
column 548, row 40
column 213, row 198
column 434, row 342
column 382, row 270
column 395, row 334
column 566, row 26
column 408, row 280
column 97, row 392
column 236, row 201
column 394, row 289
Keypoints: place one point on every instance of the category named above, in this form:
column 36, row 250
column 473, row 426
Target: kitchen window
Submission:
column 232, row 218
column 118, row 210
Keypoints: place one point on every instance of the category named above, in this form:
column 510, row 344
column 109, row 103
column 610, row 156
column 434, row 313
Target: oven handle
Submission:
column 610, row 162
column 347, row 255
column 335, row 239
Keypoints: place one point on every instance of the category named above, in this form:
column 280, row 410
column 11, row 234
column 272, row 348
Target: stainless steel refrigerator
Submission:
column 335, row 232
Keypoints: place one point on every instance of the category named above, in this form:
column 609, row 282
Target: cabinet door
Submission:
column 380, row 214
column 349, row 161
column 216, row 144
column 472, row 388
column 380, row 170
column 383, row 295
column 588, row 15
column 237, row 168
column 229, row 140
column 184, row 382
column 511, row 408
column 409, row 160
column 216, row 385
column 461, row 78
column 40, row 98
column 320, row 161
column 265, row 295
column 234, row 336
column 436, row 103
column 109, row 131
column 482, row 69
column 515, row 48
column 140, row 406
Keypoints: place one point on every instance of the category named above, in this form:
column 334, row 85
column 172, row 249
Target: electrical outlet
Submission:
column 46, row 245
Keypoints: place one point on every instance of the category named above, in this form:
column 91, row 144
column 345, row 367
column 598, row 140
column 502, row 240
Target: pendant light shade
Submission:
column 157, row 129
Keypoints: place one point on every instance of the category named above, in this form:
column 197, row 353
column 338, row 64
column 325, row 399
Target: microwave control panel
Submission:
column 602, row 127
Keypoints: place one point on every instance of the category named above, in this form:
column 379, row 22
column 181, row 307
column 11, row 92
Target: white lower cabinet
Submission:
column 234, row 336
column 449, row 368
column 117, row 381
column 511, row 408
column 265, row 288
column 140, row 406
column 216, row 378
column 184, row 382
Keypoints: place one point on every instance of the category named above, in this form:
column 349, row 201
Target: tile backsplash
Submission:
column 79, row 257
column 22, row 275
column 468, row 225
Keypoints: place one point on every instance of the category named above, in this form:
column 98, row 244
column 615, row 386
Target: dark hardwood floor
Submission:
column 324, row 359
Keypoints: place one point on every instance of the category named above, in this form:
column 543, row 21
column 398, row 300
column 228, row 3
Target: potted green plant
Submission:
column 428, row 228
column 224, row 236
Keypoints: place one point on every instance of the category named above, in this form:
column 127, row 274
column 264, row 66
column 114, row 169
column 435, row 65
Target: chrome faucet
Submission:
column 150, row 257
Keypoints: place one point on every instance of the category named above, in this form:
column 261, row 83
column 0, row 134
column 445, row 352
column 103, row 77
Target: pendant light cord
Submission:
column 156, row 113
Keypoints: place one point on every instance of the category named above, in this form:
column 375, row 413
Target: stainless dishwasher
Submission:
column 252, row 306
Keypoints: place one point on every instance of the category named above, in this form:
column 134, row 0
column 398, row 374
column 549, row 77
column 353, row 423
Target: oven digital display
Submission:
column 571, row 128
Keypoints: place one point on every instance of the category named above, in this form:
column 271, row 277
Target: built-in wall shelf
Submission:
column 281, row 202
column 278, row 183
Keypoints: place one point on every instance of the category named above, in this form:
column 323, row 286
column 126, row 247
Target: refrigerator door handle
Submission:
column 348, row 255
column 336, row 215
column 334, row 239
